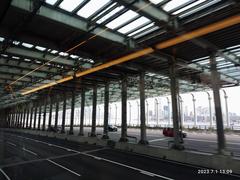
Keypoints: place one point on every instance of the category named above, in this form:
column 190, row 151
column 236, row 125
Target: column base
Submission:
column 123, row 139
column 143, row 142
column 70, row 133
column 178, row 147
column 105, row 136
column 93, row 135
column 62, row 132
column 224, row 152
column 81, row 134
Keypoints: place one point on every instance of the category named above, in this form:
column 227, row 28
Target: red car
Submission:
column 169, row 132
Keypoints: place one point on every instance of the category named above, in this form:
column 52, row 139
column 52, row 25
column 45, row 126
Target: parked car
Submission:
column 169, row 132
column 54, row 129
column 112, row 128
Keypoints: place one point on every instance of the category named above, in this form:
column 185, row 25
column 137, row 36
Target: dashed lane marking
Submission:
column 29, row 151
column 63, row 167
column 160, row 139
column 107, row 160
column 11, row 144
column 202, row 140
column 147, row 173
column 5, row 175
column 130, row 167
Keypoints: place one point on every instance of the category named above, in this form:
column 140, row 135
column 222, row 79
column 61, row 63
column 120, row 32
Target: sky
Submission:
column 233, row 100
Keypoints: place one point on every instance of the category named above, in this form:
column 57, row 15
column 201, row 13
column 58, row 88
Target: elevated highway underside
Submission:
column 60, row 56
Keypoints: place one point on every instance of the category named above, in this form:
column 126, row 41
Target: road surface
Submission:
column 29, row 157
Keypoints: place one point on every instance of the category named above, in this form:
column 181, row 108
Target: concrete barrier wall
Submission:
column 198, row 159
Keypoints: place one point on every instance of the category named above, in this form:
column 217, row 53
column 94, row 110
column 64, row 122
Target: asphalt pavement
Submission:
column 195, row 141
column 31, row 157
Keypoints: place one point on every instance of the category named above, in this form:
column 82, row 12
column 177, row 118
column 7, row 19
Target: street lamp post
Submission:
column 156, row 110
column 110, row 112
column 169, row 115
column 181, row 111
column 130, row 113
column 226, row 106
column 99, row 114
column 147, row 120
column 210, row 109
column 115, row 114
column 138, row 113
column 194, row 110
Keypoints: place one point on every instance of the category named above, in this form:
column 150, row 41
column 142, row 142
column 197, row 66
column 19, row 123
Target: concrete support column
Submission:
column 143, row 138
column 14, row 118
column 72, row 113
column 39, row 117
column 81, row 131
column 31, row 117
column 124, row 111
column 21, row 118
column 50, row 113
column 106, row 109
column 217, row 101
column 44, row 114
column 27, row 119
column 10, row 118
column 56, row 112
column 35, row 116
column 174, row 87
column 18, row 117
column 64, row 113
column 94, row 111
column 24, row 117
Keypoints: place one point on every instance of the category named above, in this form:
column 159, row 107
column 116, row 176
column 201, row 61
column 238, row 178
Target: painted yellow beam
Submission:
column 168, row 43
column 200, row 32
column 120, row 60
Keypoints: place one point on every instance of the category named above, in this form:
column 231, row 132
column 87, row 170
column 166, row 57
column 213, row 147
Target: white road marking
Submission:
column 233, row 148
column 147, row 173
column 39, row 160
column 203, row 140
column 161, row 139
column 129, row 167
column 99, row 158
column 120, row 164
column 12, row 144
column 5, row 175
column 63, row 167
column 95, row 150
column 49, row 144
column 27, row 150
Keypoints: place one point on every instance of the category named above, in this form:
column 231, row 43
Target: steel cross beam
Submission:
column 147, row 9
column 69, row 20
column 157, row 14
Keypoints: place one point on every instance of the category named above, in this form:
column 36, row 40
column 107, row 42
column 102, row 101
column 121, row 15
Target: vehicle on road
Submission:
column 54, row 129
column 169, row 132
column 112, row 128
